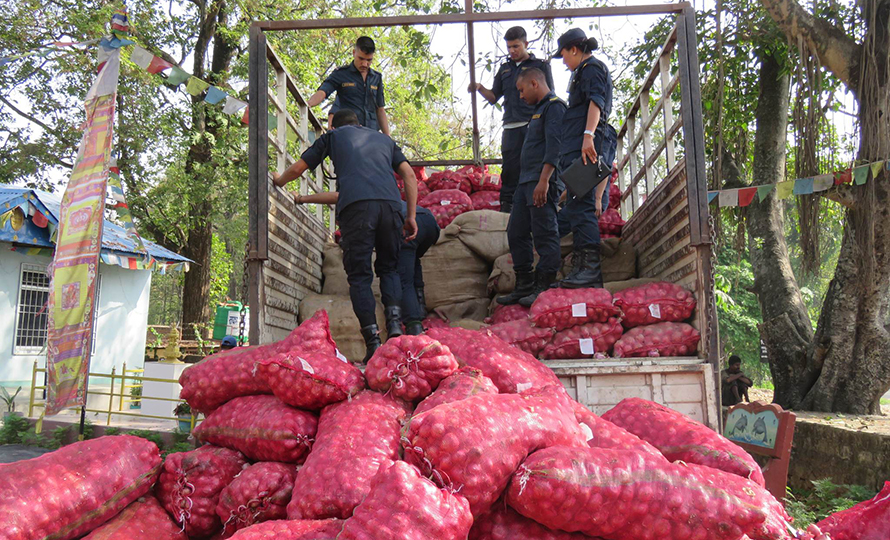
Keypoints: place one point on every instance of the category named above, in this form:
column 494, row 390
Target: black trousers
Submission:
column 366, row 226
column 532, row 228
column 511, row 150
column 410, row 269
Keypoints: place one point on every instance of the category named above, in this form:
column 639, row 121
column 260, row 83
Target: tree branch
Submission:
column 835, row 49
column 27, row 116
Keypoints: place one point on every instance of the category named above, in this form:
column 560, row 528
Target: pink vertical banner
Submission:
column 78, row 245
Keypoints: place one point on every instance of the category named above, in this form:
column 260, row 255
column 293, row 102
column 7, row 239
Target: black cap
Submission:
column 572, row 36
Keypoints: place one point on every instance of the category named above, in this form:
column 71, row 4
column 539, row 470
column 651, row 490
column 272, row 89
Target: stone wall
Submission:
column 851, row 453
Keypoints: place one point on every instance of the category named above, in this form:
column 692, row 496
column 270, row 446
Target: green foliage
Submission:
column 147, row 435
column 13, row 427
column 826, row 497
column 221, row 268
column 9, row 399
column 177, row 447
column 110, row 431
column 30, row 437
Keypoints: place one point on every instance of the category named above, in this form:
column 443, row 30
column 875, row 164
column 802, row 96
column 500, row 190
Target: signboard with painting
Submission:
column 765, row 430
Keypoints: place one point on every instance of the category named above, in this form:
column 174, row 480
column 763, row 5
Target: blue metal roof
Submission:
column 114, row 237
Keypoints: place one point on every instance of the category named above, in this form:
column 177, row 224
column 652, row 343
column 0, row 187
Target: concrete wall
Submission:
column 847, row 456
column 121, row 323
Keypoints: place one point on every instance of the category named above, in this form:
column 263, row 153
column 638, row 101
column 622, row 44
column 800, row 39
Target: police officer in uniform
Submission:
column 358, row 87
column 411, row 271
column 369, row 211
column 534, row 212
column 517, row 113
column 586, row 135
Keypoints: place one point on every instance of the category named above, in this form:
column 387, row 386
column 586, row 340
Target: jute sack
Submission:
column 345, row 327
column 502, row 279
column 615, row 286
column 452, row 273
column 335, row 275
column 468, row 324
column 475, row 309
column 483, row 231
column 619, row 260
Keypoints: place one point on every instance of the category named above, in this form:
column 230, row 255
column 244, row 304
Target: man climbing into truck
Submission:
column 369, row 211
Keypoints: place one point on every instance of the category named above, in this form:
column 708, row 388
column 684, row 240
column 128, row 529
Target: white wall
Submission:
column 121, row 324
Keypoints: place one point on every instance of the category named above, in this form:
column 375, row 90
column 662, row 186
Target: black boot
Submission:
column 372, row 341
column 525, row 284
column 413, row 328
column 393, row 322
column 421, row 299
column 577, row 262
column 590, row 274
column 543, row 280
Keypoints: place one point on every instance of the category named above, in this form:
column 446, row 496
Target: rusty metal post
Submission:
column 33, row 384
column 471, row 48
column 111, row 394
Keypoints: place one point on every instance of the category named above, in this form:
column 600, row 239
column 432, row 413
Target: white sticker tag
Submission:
column 306, row 367
column 655, row 310
column 588, row 433
column 341, row 357
column 522, row 387
column 445, row 202
column 586, row 345
column 579, row 310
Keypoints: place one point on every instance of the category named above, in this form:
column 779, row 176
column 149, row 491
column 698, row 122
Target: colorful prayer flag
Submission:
column 245, row 118
column 141, row 57
column 764, row 191
column 843, row 177
column 75, row 263
column 803, row 186
column 746, row 195
column 876, row 169
column 860, row 175
column 214, row 95
column 822, row 182
column 233, row 105
column 177, row 76
column 784, row 189
column 195, row 86
column 158, row 65
column 712, row 195
column 729, row 197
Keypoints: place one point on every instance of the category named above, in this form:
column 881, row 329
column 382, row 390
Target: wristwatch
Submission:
column 588, row 132
column 297, row 199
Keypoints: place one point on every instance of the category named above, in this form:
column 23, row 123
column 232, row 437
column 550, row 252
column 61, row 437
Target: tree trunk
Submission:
column 786, row 328
column 846, row 368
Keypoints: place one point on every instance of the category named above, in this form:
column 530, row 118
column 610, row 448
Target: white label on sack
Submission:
column 579, row 310
column 655, row 310
column 341, row 357
column 306, row 367
column 445, row 202
column 586, row 345
column 588, row 433
column 522, row 387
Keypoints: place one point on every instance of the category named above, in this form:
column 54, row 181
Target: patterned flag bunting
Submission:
column 141, row 57
column 233, row 105
column 746, row 195
column 860, row 175
column 784, row 189
column 876, row 168
column 823, row 182
column 712, row 195
column 764, row 191
column 158, row 65
column 729, row 197
column 214, row 95
column 177, row 76
column 843, row 177
column 195, row 86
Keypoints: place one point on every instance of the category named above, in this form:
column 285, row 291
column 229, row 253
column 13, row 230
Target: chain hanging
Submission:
column 710, row 312
column 244, row 293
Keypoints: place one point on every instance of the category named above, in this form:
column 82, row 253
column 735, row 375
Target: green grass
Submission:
column 826, row 497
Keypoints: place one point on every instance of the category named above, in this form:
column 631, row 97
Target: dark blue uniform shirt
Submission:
column 362, row 96
column 516, row 110
column 542, row 141
column 363, row 159
column 591, row 81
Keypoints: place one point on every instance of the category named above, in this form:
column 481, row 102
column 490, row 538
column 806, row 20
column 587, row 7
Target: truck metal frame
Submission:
column 663, row 183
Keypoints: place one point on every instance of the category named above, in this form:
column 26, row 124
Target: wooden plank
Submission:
column 626, row 366
column 680, row 393
column 648, row 120
column 622, row 181
column 654, row 200
column 312, row 269
column 667, row 110
column 677, row 276
column 681, row 237
column 647, row 141
column 478, row 17
column 657, row 269
column 635, row 192
column 293, row 273
column 298, row 229
column 277, row 64
column 660, row 209
column 657, row 383
column 295, row 213
column 666, row 50
column 258, row 174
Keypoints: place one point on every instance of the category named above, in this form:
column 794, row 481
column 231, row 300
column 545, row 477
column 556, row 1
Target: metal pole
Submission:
column 471, row 47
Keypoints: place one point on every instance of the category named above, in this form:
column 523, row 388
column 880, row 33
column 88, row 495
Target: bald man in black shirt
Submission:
column 369, row 212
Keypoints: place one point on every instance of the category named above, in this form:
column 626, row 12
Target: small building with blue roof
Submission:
column 28, row 222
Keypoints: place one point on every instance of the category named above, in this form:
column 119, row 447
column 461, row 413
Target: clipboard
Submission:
column 581, row 178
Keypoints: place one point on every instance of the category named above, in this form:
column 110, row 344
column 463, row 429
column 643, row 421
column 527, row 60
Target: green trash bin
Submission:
column 221, row 321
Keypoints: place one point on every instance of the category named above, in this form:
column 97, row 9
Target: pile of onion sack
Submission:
column 452, row 435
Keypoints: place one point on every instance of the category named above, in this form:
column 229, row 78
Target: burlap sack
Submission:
column 335, row 275
column 615, row 286
column 483, row 231
column 345, row 327
column 452, row 273
column 475, row 309
column 468, row 324
column 619, row 261
column 502, row 279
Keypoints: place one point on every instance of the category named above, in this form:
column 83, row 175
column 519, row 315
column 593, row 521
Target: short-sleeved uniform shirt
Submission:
column 591, row 82
column 516, row 110
column 364, row 161
column 362, row 96
column 542, row 141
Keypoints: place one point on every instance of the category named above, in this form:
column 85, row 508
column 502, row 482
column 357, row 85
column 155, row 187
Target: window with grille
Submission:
column 31, row 315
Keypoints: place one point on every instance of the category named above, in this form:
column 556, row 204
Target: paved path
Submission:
column 10, row 453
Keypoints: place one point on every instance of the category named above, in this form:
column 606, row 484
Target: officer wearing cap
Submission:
column 586, row 135
column 517, row 112
column 358, row 87
column 369, row 211
column 228, row 342
column 533, row 226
